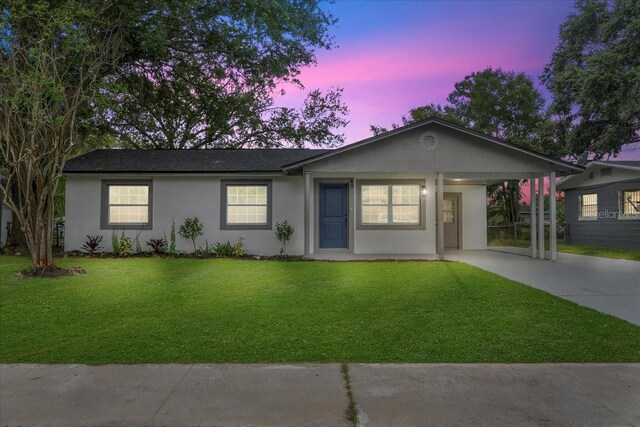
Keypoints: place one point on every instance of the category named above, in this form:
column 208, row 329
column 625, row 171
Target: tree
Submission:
column 52, row 60
column 499, row 103
column 207, row 74
column 191, row 229
column 594, row 77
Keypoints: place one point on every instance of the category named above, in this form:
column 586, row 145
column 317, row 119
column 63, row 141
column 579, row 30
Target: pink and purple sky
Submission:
column 395, row 55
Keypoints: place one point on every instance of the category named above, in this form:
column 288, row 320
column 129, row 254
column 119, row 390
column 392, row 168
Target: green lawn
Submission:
column 631, row 254
column 604, row 252
column 189, row 310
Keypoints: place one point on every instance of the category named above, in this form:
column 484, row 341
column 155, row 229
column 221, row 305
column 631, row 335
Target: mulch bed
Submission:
column 52, row 271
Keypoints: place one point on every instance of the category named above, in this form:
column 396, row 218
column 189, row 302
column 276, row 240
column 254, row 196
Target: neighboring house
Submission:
column 6, row 216
column 524, row 215
column 376, row 196
column 602, row 205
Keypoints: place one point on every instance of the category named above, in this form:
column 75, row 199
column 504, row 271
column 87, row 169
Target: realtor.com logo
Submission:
column 615, row 214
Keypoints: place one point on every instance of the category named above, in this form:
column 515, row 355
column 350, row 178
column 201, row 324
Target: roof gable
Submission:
column 602, row 172
column 411, row 129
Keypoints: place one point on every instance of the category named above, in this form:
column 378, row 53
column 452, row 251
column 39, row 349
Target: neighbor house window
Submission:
column 631, row 203
column 589, row 206
column 126, row 204
column 246, row 204
column 393, row 204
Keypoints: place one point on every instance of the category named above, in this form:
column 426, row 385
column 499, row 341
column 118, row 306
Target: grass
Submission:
column 147, row 310
column 617, row 253
column 599, row 251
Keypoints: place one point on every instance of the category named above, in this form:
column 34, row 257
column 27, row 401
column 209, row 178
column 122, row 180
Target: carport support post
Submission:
column 534, row 219
column 541, row 217
column 440, row 216
column 553, row 245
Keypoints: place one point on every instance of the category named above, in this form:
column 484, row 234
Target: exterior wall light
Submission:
column 424, row 190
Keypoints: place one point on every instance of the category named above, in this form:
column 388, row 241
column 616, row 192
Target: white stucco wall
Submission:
column 180, row 197
column 473, row 213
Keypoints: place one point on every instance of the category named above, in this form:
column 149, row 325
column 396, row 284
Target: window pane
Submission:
column 374, row 214
column 448, row 216
column 247, row 195
column 406, row 194
column 375, row 194
column 589, row 207
column 246, row 214
column 128, row 194
column 128, row 214
column 631, row 202
column 406, row 214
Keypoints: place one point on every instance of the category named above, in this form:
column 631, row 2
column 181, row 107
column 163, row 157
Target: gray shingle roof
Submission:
column 187, row 161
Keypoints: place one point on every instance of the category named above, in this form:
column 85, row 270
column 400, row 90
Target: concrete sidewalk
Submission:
column 316, row 395
column 611, row 286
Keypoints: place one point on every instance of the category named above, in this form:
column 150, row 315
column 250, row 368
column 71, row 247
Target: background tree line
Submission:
column 593, row 77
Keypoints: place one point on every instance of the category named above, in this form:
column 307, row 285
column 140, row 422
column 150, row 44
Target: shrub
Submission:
column 238, row 249
column 224, row 249
column 125, row 246
column 191, row 229
column 115, row 243
column 92, row 245
column 205, row 252
column 137, row 245
column 172, row 237
column 158, row 246
column 284, row 231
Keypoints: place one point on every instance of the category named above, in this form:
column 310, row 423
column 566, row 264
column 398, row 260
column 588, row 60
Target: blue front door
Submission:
column 334, row 215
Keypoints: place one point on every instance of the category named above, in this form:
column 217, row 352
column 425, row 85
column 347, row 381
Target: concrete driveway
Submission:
column 611, row 286
column 316, row 395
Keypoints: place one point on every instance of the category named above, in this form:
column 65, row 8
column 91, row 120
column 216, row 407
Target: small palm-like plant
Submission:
column 158, row 246
column 92, row 245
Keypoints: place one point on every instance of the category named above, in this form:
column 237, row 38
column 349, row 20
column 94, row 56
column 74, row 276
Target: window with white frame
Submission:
column 589, row 206
column 246, row 205
column 128, row 204
column 630, row 203
column 390, row 204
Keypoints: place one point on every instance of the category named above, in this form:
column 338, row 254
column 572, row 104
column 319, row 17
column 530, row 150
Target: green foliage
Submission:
column 238, row 248
column 126, row 249
column 172, row 237
column 191, row 229
column 115, row 242
column 53, row 55
column 594, row 76
column 205, row 252
column 213, row 82
column 284, row 232
column 136, row 244
column 225, row 249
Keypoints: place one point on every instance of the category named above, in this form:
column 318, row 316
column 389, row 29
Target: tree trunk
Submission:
column 16, row 240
